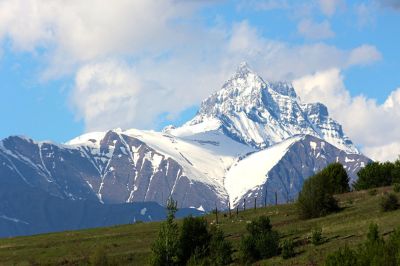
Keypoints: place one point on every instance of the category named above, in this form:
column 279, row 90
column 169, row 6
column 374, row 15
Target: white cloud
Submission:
column 175, row 83
column 329, row 7
column 364, row 55
column 315, row 30
column 371, row 125
column 107, row 93
column 139, row 59
column 79, row 31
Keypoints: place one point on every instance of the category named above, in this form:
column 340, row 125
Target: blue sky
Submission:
column 70, row 68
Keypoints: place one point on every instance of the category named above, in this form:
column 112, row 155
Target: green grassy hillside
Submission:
column 130, row 244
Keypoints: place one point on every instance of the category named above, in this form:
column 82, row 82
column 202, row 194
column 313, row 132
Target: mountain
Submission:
column 28, row 211
column 260, row 113
column 250, row 139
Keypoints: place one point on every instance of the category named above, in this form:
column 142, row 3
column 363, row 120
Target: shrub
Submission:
column 374, row 251
column 287, row 249
column 316, row 236
column 342, row 257
column 248, row 250
column 194, row 237
column 192, row 244
column 396, row 187
column 389, row 202
column 315, row 199
column 261, row 242
column 220, row 248
column 268, row 244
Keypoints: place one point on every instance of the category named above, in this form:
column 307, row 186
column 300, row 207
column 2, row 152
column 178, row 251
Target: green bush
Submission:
column 316, row 199
column 192, row 244
column 396, row 187
column 389, row 202
column 378, row 174
column 261, row 242
column 287, row 248
column 342, row 257
column 194, row 237
column 316, row 236
column 374, row 251
column 220, row 249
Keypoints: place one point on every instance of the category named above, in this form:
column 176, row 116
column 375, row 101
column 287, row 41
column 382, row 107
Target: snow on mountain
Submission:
column 283, row 167
column 238, row 181
column 204, row 157
column 250, row 140
column 260, row 113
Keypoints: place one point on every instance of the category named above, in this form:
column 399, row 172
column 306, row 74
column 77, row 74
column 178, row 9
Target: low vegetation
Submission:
column 260, row 242
column 192, row 243
column 274, row 235
column 316, row 236
column 373, row 251
column 389, row 202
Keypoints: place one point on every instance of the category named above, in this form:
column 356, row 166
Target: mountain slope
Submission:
column 260, row 113
column 282, row 169
column 251, row 139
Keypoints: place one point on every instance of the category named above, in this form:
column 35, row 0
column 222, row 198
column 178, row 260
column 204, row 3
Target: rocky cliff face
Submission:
column 250, row 139
column 261, row 113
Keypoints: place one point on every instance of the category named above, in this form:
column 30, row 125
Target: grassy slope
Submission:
column 130, row 244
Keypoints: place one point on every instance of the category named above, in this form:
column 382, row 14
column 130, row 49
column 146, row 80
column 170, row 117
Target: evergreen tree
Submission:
column 194, row 238
column 316, row 199
column 375, row 174
column 165, row 248
column 261, row 243
column 336, row 178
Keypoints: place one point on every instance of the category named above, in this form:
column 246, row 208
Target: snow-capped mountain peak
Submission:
column 261, row 113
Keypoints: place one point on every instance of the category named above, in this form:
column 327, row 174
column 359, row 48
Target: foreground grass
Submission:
column 130, row 244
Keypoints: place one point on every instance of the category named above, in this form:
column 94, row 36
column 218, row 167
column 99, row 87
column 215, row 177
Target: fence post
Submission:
column 265, row 197
column 216, row 214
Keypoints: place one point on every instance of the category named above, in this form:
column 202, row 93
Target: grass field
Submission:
column 130, row 244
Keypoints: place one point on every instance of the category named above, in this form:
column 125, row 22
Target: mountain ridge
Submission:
column 250, row 139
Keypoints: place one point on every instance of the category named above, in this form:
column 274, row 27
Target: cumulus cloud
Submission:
column 371, row 125
column 171, row 85
column 315, row 30
column 79, row 31
column 140, row 59
column 329, row 7
column 364, row 55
